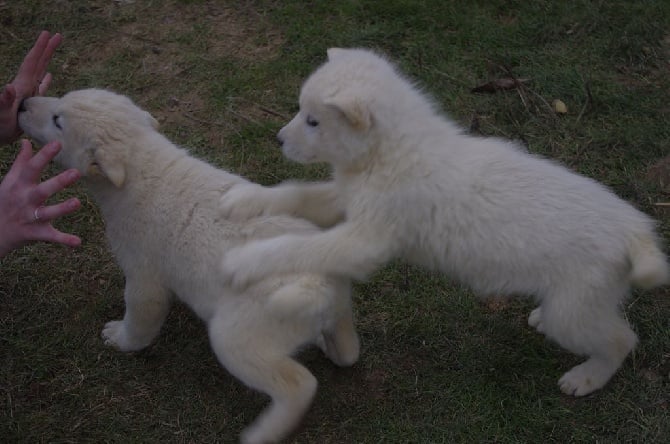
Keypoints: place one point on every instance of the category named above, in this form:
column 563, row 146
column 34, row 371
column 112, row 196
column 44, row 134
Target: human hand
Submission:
column 31, row 79
column 23, row 216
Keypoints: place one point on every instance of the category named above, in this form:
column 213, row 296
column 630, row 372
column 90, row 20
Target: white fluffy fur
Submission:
column 408, row 183
column 160, row 206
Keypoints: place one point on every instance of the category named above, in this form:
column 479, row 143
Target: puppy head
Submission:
column 94, row 127
column 338, row 110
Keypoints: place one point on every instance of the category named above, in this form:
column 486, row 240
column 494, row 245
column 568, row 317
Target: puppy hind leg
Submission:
column 290, row 385
column 292, row 388
column 592, row 327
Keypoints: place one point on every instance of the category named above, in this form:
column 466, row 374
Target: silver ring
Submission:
column 36, row 216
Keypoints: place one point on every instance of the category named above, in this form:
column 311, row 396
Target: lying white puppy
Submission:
column 408, row 183
column 160, row 206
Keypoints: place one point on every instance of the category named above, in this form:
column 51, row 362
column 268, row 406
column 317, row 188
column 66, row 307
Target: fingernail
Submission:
column 73, row 175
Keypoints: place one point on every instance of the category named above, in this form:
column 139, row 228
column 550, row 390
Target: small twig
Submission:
column 140, row 38
column 632, row 303
column 662, row 204
column 499, row 130
column 549, row 107
column 589, row 100
column 242, row 116
column 522, row 96
column 520, row 85
column 201, row 121
column 452, row 78
column 263, row 108
column 270, row 111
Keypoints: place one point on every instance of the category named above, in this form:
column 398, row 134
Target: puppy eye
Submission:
column 56, row 121
column 311, row 121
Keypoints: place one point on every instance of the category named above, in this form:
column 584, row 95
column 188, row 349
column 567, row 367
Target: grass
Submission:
column 437, row 365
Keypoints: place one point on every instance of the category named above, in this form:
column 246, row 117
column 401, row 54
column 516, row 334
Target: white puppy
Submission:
column 408, row 183
column 160, row 206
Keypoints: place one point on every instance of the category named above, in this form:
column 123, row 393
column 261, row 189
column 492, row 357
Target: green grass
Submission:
column 437, row 365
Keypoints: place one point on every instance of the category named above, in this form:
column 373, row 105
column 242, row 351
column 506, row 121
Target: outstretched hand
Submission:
column 31, row 79
column 23, row 216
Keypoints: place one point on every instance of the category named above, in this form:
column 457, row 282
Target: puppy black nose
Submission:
column 22, row 106
column 280, row 140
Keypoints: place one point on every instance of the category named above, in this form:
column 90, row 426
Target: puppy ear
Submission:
column 333, row 53
column 109, row 165
column 356, row 112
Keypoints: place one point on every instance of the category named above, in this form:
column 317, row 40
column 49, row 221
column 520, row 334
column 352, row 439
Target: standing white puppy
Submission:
column 409, row 183
column 160, row 207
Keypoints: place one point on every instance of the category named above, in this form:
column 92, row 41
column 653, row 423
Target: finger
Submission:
column 48, row 233
column 24, row 156
column 40, row 160
column 32, row 60
column 9, row 130
column 52, row 212
column 19, row 168
column 55, row 184
column 7, row 96
column 48, row 53
column 44, row 84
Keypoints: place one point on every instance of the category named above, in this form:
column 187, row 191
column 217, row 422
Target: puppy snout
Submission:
column 22, row 106
column 280, row 139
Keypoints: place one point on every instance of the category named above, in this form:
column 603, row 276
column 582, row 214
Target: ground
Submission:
column 437, row 365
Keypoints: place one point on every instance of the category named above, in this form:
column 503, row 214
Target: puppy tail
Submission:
column 308, row 297
column 649, row 264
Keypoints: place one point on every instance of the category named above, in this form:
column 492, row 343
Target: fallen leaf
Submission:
column 501, row 84
column 497, row 303
column 560, row 107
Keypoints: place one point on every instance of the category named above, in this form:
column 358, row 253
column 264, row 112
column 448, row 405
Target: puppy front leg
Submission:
column 316, row 202
column 341, row 343
column 147, row 306
column 346, row 250
column 319, row 203
column 339, row 340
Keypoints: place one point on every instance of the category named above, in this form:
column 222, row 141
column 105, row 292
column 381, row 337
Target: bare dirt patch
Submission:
column 154, row 46
column 224, row 30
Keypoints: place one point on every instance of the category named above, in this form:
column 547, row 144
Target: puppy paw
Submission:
column 115, row 335
column 245, row 265
column 243, row 201
column 239, row 267
column 345, row 355
column 535, row 319
column 586, row 378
